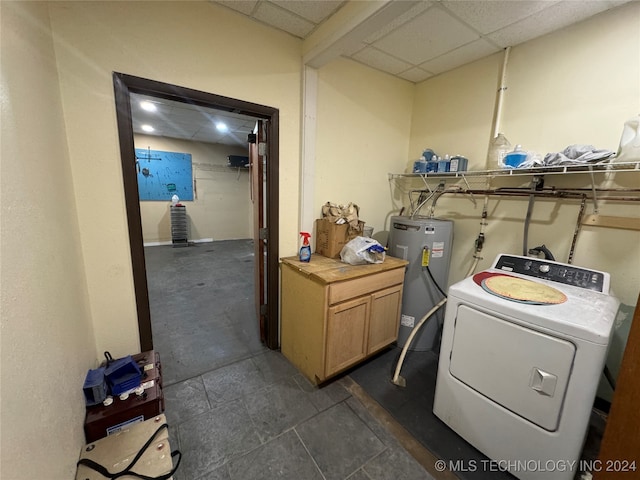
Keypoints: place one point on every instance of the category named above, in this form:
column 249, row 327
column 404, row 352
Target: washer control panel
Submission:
column 554, row 271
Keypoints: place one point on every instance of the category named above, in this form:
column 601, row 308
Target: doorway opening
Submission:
column 124, row 86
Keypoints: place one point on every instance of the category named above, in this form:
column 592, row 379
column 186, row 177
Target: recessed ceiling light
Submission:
column 148, row 106
column 222, row 127
column 147, row 128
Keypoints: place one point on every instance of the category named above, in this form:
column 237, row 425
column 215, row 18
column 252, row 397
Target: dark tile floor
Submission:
column 202, row 307
column 260, row 419
column 412, row 406
column 237, row 410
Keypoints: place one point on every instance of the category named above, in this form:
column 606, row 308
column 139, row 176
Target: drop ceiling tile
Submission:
column 177, row 126
column 398, row 21
column 381, row 60
column 554, row 18
column 208, row 137
column 489, row 16
column 191, row 122
column 184, row 115
column 208, row 134
column 354, row 48
column 174, row 133
column 313, row 10
column 245, row 6
column 249, row 125
column 233, row 125
column 427, row 36
column 415, row 75
column 239, row 139
column 283, row 19
column 466, row 54
column 161, row 108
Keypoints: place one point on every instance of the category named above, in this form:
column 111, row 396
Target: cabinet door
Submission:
column 346, row 334
column 385, row 317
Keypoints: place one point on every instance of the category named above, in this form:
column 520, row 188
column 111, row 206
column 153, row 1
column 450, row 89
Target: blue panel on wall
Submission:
column 164, row 174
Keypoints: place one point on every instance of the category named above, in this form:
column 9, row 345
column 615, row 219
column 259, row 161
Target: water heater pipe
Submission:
column 497, row 116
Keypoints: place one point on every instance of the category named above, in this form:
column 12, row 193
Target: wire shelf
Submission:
column 519, row 172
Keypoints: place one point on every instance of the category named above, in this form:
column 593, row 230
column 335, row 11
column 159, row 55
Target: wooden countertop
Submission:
column 328, row 270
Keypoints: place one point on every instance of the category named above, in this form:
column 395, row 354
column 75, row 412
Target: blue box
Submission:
column 458, row 164
column 95, row 387
column 123, row 375
column 428, row 154
column 419, row 167
column 432, row 167
column 443, row 165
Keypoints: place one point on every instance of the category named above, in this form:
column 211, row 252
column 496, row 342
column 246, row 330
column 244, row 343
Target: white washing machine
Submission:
column 523, row 347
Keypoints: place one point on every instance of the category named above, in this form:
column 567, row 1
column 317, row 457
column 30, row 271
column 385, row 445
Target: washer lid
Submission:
column 522, row 290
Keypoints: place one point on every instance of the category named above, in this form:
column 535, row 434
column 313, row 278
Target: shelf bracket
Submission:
column 593, row 190
column 424, row 180
column 473, row 200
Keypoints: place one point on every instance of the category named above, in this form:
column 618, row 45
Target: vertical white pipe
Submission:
column 307, row 168
column 497, row 117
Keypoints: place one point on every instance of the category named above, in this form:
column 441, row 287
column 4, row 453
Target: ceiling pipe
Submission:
column 497, row 115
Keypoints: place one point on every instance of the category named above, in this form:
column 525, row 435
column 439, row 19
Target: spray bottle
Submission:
column 305, row 250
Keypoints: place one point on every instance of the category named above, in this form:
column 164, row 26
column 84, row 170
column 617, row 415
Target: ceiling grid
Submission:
column 410, row 39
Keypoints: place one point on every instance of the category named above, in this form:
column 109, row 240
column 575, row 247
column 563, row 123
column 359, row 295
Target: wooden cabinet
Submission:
column 335, row 315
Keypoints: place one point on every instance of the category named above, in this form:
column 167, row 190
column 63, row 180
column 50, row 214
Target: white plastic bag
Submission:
column 629, row 148
column 362, row 250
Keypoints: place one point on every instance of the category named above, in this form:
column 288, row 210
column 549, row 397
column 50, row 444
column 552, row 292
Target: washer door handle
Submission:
column 543, row 382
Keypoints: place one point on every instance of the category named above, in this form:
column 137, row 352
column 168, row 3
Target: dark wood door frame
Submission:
column 124, row 85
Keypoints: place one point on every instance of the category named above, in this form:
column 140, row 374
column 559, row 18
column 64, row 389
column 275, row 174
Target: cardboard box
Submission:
column 331, row 237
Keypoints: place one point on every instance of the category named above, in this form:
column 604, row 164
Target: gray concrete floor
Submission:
column 237, row 410
column 202, row 308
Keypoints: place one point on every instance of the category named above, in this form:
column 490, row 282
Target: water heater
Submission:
column 426, row 243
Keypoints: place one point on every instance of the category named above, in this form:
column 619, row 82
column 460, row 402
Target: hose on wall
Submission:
column 536, row 184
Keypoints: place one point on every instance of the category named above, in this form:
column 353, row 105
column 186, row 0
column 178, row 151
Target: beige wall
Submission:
column 363, row 122
column 578, row 85
column 47, row 338
column 221, row 208
column 192, row 44
column 452, row 113
column 66, row 286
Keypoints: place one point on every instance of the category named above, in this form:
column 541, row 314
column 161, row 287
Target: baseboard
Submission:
column 156, row 244
column 159, row 244
column 202, row 240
